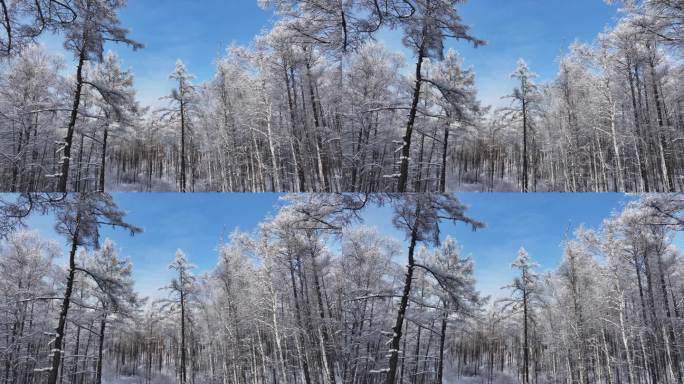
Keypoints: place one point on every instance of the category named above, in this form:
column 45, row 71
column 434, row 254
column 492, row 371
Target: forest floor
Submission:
column 499, row 379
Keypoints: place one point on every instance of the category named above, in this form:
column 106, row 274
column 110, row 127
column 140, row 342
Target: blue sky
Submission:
column 199, row 31
column 197, row 222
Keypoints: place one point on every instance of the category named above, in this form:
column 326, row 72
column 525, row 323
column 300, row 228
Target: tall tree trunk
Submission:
column 8, row 27
column 637, row 124
column 183, row 375
column 525, row 171
column 671, row 334
column 662, row 143
column 445, row 148
column 298, row 317
column 68, row 139
column 66, row 301
column 526, row 347
column 182, row 154
column 100, row 348
column 442, row 338
column 103, row 159
column 296, row 152
column 396, row 337
column 406, row 145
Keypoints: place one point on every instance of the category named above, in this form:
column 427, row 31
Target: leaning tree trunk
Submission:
column 98, row 372
column 406, row 145
column 59, row 337
column 445, row 148
column 68, row 139
column 396, row 338
column 8, row 27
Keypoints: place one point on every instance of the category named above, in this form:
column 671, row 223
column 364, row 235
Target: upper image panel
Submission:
column 352, row 95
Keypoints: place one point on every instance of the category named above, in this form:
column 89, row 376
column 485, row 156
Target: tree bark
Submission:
column 68, row 139
column 103, row 160
column 442, row 338
column 100, row 348
column 396, row 337
column 59, row 337
column 406, row 145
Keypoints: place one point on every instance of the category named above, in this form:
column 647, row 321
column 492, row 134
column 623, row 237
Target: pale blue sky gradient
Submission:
column 198, row 32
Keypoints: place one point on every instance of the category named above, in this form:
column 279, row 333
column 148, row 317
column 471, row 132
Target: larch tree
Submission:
column 115, row 292
column 183, row 287
column 577, row 279
column 95, row 22
column 426, row 24
column 419, row 217
column 524, row 96
column 458, row 101
column 455, row 286
column 525, row 291
column 23, row 21
column 26, row 261
column 30, row 88
column 116, row 102
column 182, row 102
column 79, row 218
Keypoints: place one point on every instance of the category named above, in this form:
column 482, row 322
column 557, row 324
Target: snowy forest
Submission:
column 317, row 104
column 313, row 295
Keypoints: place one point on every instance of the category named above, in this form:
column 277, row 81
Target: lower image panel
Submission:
column 330, row 288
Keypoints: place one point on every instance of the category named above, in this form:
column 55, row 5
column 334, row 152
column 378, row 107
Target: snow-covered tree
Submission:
column 117, row 105
column 182, row 107
column 426, row 24
column 524, row 295
column 419, row 217
column 455, row 289
column 95, row 22
column 524, row 97
column 182, row 290
column 115, row 292
column 79, row 218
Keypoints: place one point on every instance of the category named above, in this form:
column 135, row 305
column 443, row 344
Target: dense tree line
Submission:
column 315, row 104
column 313, row 296
column 610, row 313
column 55, row 319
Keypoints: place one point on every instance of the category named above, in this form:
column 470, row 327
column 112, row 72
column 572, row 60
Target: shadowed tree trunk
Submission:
column 396, row 337
column 57, row 346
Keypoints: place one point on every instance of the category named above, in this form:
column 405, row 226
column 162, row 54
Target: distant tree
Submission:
column 115, row 291
column 525, row 294
column 116, row 103
column 458, row 100
column 455, row 289
column 182, row 289
column 182, row 100
column 525, row 97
